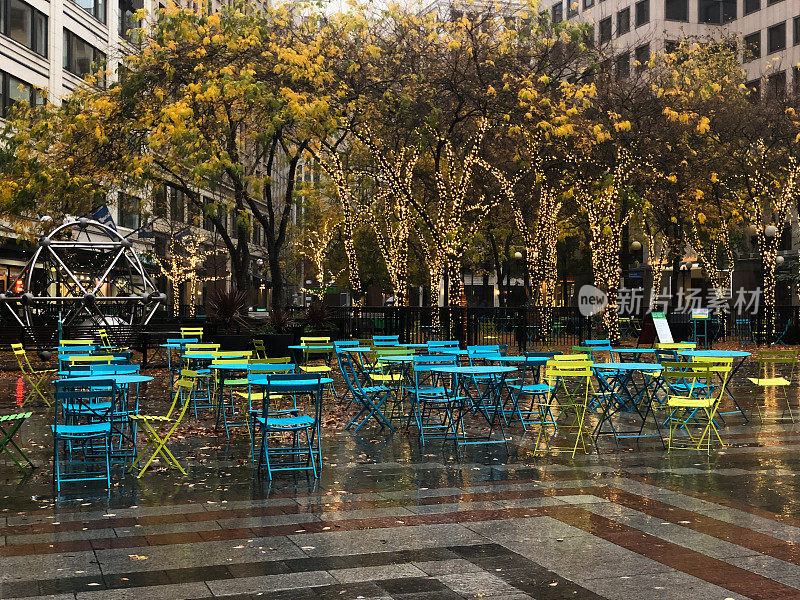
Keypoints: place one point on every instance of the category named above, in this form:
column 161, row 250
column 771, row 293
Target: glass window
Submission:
column 558, row 12
column 96, row 8
column 776, row 38
column 605, row 30
column 716, row 12
column 160, row 201
column 13, row 90
column 588, row 4
column 752, row 46
column 572, row 8
column 641, row 55
column 796, row 71
column 127, row 22
column 623, row 21
column 623, row 66
column 20, row 23
column 751, row 6
column 771, row 2
column 24, row 24
column 176, row 205
column 642, row 12
column 129, row 211
column 776, row 85
column 80, row 57
column 796, row 28
column 676, row 10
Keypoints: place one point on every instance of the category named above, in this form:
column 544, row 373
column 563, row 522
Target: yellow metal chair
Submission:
column 158, row 429
column 695, row 401
column 314, row 348
column 101, row 359
column 769, row 375
column 38, row 379
column 259, row 349
column 570, row 376
column 192, row 332
column 76, row 343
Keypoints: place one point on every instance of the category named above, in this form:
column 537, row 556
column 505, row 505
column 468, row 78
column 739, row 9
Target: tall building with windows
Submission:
column 50, row 45
column 770, row 30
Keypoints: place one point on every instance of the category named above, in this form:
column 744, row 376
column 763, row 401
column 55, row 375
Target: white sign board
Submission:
column 662, row 328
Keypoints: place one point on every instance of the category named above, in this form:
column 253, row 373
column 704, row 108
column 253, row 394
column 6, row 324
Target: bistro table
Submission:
column 489, row 403
column 120, row 413
column 524, row 361
column 221, row 369
column 619, row 392
column 739, row 357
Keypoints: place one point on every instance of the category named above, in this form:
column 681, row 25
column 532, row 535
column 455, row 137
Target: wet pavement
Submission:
column 386, row 520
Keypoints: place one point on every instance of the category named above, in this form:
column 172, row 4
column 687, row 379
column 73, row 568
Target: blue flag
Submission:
column 146, row 230
column 103, row 215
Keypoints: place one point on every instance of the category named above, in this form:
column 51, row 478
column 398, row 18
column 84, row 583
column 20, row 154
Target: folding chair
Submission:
column 38, row 380
column 205, row 384
column 314, row 348
column 435, row 346
column 192, row 332
column 432, row 399
column 158, row 429
column 770, row 377
column 531, row 386
column 82, row 434
column 370, row 398
column 393, row 376
column 271, row 425
column 81, row 342
column 690, row 412
column 259, row 349
column 9, row 426
column 572, row 376
column 385, row 340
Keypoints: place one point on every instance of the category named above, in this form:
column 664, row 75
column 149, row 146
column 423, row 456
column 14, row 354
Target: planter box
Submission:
column 277, row 344
column 231, row 342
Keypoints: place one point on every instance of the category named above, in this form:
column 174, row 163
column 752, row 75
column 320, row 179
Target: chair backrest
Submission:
column 598, row 344
column 22, row 359
column 192, row 332
column 281, row 360
column 367, row 342
column 315, row 340
column 392, row 351
column 104, row 337
column 385, row 340
column 105, row 369
column 90, row 396
column 240, row 354
column 183, row 341
column 675, row 346
column 565, row 368
column 91, row 358
column 227, row 361
column 442, row 344
column 183, row 392
column 587, row 350
column 425, row 366
column 486, row 352
column 690, row 376
column 258, row 348
column 200, row 347
column 345, row 344
column 76, row 343
column 295, row 384
column 63, row 350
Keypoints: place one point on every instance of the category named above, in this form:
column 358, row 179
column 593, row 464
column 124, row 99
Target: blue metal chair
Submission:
column 296, row 457
column 82, row 430
column 370, row 398
column 432, row 402
column 531, row 387
column 385, row 340
column 439, row 345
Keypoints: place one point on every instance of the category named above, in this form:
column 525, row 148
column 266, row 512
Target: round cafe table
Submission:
column 619, row 392
column 488, row 401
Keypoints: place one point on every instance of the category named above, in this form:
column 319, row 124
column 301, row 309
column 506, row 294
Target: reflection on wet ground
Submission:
column 387, row 520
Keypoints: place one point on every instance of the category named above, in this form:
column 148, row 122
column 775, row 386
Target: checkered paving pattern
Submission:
column 389, row 522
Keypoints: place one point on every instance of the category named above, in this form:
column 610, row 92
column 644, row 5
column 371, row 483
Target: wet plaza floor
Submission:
column 388, row 521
